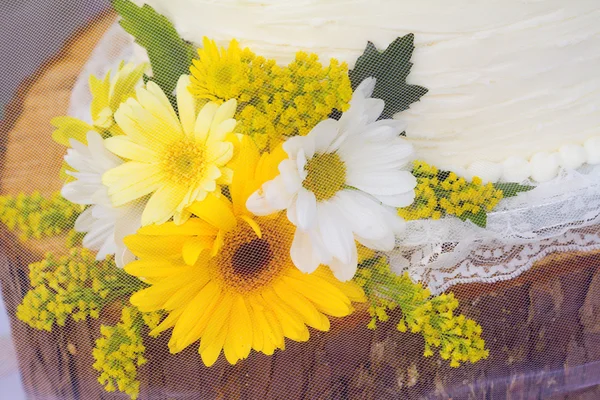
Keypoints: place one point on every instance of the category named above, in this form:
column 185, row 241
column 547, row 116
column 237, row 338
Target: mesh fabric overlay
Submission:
column 201, row 221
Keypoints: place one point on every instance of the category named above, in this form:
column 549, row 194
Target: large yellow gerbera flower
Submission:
column 177, row 159
column 248, row 295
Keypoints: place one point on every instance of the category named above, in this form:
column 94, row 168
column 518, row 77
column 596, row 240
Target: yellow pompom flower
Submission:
column 227, row 279
column 178, row 160
column 275, row 102
column 107, row 95
column 220, row 73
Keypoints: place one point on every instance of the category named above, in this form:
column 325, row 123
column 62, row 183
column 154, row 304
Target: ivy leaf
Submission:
column 391, row 68
column 511, row 189
column 170, row 56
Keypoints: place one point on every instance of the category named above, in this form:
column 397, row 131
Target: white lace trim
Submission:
column 557, row 216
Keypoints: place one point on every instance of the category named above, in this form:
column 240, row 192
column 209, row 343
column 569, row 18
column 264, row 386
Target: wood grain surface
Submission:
column 542, row 329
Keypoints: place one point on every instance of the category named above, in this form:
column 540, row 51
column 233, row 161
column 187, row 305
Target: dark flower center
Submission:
column 252, row 257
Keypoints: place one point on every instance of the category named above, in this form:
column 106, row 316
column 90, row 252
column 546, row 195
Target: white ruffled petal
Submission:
column 362, row 214
column 324, row 134
column 345, row 271
column 303, row 253
column 334, row 233
column 397, row 200
column 290, row 175
column 382, row 182
column 84, row 221
column 306, row 209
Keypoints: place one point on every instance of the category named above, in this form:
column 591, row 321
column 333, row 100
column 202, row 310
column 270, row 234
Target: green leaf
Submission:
column 170, row 56
column 479, row 219
column 391, row 68
column 511, row 189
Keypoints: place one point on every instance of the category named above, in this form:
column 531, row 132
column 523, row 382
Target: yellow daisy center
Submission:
column 246, row 262
column 326, row 175
column 184, row 162
column 223, row 74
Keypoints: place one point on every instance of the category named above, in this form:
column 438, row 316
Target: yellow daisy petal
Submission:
column 125, row 148
column 194, row 226
column 215, row 211
column 162, row 205
column 204, row 121
column 186, row 105
column 239, row 339
column 216, row 331
column 193, row 247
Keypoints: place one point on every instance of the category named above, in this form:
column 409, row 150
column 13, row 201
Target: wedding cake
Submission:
column 514, row 89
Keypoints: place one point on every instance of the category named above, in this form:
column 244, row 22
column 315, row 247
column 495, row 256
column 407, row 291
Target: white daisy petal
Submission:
column 290, row 175
column 382, row 182
column 397, row 200
column 362, row 214
column 276, row 193
column 345, row 271
column 257, row 204
column 323, row 134
column 334, row 232
column 306, row 209
column 293, row 145
column 84, row 221
column 301, row 164
column 303, row 253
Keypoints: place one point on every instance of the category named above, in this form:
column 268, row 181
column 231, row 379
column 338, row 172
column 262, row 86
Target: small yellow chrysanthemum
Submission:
column 177, row 159
column 275, row 102
column 220, row 74
column 107, row 96
column 227, row 279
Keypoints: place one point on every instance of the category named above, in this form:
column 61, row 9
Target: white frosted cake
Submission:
column 514, row 85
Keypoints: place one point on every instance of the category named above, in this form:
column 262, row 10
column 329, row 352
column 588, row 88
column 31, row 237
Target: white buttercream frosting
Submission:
column 507, row 79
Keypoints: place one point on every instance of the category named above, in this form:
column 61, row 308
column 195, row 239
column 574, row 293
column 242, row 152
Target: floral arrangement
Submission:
column 232, row 204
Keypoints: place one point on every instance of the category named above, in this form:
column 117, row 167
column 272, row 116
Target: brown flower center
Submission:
column 247, row 262
column 250, row 258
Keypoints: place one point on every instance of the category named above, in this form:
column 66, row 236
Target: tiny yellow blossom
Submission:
column 274, row 102
column 440, row 193
column 458, row 338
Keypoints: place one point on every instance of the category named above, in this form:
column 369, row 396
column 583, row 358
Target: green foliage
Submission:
column 36, row 217
column 170, row 56
column 391, row 68
column 457, row 338
column 75, row 285
column 510, row 189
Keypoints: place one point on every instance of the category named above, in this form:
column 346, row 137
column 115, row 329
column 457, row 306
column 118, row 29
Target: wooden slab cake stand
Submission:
column 542, row 329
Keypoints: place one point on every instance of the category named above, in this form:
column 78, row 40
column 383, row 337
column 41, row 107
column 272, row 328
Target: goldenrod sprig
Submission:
column 35, row 216
column 274, row 102
column 120, row 351
column 457, row 337
column 440, row 193
column 75, row 285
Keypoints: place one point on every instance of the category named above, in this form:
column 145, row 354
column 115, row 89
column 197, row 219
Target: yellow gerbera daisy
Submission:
column 219, row 74
column 177, row 159
column 248, row 295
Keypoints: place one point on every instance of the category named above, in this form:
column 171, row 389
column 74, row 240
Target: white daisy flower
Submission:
column 341, row 183
column 105, row 225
